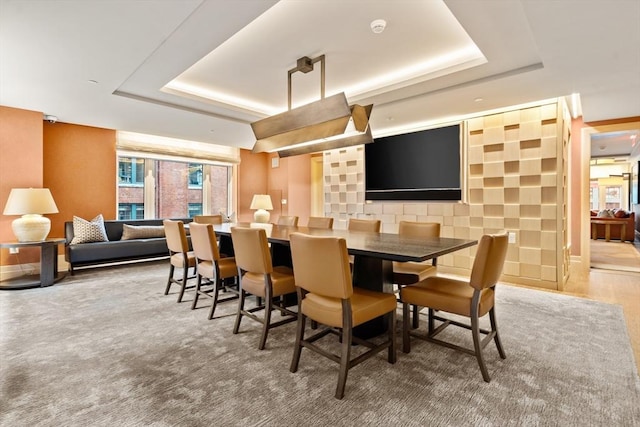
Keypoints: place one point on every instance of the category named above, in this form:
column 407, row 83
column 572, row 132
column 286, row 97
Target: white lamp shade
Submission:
column 261, row 202
column 23, row 201
column 31, row 203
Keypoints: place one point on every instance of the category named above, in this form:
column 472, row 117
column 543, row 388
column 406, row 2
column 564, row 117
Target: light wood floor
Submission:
column 614, row 287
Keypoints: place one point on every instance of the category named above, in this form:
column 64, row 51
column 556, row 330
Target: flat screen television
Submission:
column 422, row 165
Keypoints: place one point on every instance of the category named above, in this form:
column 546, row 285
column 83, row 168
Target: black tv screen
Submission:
column 423, row 165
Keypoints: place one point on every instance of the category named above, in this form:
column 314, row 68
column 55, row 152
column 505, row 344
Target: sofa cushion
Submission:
column 89, row 231
column 605, row 213
column 130, row 232
column 621, row 214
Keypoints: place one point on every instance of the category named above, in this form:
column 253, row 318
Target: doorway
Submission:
column 608, row 191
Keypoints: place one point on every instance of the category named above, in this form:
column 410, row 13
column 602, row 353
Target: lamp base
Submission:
column 31, row 228
column 261, row 215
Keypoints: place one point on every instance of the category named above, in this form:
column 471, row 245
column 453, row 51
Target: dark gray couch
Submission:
column 115, row 250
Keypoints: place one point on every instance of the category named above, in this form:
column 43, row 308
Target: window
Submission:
column 195, row 209
column 195, row 175
column 155, row 188
column 130, row 171
column 130, row 211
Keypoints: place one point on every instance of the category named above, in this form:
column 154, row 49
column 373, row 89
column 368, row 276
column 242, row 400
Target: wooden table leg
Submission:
column 623, row 231
column 594, row 231
column 607, row 232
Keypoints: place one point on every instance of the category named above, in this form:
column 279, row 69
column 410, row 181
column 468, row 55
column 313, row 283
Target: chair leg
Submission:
column 299, row 337
column 267, row 320
column 431, row 324
column 475, row 331
column 236, row 326
column 494, row 328
column 416, row 317
column 185, row 275
column 344, row 361
column 406, row 343
column 392, row 356
column 216, row 292
column 171, row 270
column 195, row 297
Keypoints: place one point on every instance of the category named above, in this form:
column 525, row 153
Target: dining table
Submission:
column 373, row 254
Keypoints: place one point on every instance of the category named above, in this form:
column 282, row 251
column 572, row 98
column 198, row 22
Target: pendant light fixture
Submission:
column 325, row 124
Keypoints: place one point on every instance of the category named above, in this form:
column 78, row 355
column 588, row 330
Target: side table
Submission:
column 48, row 265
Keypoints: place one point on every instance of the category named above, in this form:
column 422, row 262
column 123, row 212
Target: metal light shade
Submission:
column 261, row 202
column 317, row 126
column 320, row 119
column 31, row 203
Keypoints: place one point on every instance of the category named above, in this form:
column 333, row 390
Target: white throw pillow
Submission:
column 89, row 231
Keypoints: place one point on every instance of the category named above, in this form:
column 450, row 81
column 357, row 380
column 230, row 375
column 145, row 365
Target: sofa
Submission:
column 615, row 229
column 127, row 240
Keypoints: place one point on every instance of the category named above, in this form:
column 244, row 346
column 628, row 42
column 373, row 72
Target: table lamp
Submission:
column 31, row 203
column 261, row 202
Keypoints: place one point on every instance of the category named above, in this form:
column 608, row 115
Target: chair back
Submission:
column 321, row 265
column 489, row 261
column 288, row 220
column 207, row 219
column 356, row 224
column 251, row 249
column 176, row 236
column 320, row 222
column 419, row 229
column 204, row 242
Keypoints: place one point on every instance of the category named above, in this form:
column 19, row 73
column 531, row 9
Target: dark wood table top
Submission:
column 386, row 246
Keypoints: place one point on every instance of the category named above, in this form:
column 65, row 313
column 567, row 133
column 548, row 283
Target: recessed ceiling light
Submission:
column 478, row 100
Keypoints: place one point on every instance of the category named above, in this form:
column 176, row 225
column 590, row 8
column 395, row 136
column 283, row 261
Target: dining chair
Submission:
column 260, row 278
column 320, row 222
column 357, row 224
column 212, row 267
column 471, row 298
column 180, row 255
column 408, row 273
column 207, row 219
column 326, row 295
column 288, row 220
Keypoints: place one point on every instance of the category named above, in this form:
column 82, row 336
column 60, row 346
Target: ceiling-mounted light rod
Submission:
column 305, row 64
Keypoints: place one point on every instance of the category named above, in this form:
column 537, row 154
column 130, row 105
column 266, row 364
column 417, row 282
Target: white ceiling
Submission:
column 226, row 61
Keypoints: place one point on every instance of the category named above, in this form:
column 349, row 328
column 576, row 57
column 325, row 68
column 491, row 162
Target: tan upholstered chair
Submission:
column 326, row 295
column 179, row 255
column 356, row 224
column 320, row 222
column 288, row 220
column 214, row 269
column 207, row 219
column 473, row 299
column 408, row 273
column 259, row 277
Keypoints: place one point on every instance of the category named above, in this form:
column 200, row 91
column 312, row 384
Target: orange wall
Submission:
column 575, row 181
column 80, row 169
column 299, row 187
column 291, row 180
column 252, row 179
column 20, row 167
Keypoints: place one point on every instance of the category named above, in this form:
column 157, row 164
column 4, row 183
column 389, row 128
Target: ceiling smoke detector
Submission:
column 49, row 118
column 378, row 26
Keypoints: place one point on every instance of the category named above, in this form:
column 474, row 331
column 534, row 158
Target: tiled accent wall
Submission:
column 517, row 180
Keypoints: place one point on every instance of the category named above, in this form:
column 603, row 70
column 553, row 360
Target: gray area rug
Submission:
column 106, row 348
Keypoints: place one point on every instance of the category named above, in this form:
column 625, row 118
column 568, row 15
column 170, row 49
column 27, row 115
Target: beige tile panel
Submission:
column 549, row 273
column 532, row 271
